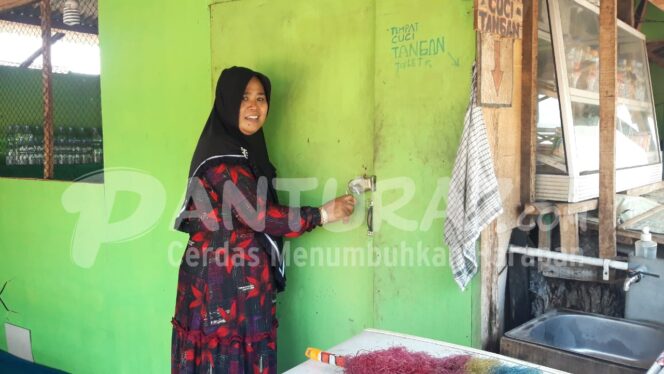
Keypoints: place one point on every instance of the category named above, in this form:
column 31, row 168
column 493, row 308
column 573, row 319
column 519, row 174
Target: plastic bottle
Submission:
column 646, row 247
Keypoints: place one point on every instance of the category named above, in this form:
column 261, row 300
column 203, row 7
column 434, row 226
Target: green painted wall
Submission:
column 321, row 126
column 420, row 104
column 345, row 103
column 340, row 109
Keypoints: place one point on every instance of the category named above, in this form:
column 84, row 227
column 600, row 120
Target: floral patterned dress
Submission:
column 226, row 297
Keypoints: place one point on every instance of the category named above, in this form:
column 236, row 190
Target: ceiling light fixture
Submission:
column 71, row 15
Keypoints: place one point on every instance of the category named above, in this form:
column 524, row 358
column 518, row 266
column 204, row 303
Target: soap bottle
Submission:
column 646, row 247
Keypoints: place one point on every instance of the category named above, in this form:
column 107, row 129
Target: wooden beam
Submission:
column 544, row 207
column 640, row 14
column 574, row 208
column 626, row 236
column 529, row 101
column 658, row 238
column 11, row 4
column 544, row 239
column 568, row 221
column 638, row 191
column 626, row 11
column 658, row 3
column 607, row 128
column 489, row 274
column 641, row 217
column 47, row 90
column 537, row 208
column 57, row 36
column 569, row 234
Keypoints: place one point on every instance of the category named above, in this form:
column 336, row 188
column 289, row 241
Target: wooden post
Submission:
column 544, row 234
column 626, row 11
column 569, row 233
column 529, row 101
column 607, row 131
column 640, row 14
column 493, row 250
column 45, row 8
column 11, row 4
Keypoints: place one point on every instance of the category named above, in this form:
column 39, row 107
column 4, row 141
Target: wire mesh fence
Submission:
column 77, row 146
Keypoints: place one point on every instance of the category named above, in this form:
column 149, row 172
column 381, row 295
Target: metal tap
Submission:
column 635, row 275
column 360, row 185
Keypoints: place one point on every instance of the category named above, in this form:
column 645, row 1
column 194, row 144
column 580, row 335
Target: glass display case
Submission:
column 568, row 105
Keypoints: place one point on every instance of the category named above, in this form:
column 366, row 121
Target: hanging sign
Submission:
column 498, row 24
column 503, row 18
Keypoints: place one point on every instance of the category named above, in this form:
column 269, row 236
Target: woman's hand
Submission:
column 340, row 208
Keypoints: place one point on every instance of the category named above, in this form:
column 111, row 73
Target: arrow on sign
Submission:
column 496, row 72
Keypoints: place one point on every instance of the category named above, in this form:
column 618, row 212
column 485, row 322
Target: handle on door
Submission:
column 370, row 219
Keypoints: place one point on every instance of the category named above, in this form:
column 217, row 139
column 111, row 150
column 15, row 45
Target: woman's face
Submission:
column 253, row 109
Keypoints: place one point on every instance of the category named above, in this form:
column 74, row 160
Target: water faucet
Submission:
column 362, row 184
column 635, row 275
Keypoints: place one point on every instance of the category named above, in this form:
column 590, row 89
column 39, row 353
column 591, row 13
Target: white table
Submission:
column 372, row 339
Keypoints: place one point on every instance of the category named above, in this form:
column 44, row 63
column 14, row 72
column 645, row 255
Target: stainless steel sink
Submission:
column 617, row 342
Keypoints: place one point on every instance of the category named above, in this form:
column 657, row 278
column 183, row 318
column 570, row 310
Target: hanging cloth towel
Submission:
column 473, row 200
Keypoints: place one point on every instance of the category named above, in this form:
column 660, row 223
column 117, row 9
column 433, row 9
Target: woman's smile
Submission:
column 253, row 108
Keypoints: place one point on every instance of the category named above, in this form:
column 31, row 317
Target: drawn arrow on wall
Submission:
column 455, row 61
column 496, row 72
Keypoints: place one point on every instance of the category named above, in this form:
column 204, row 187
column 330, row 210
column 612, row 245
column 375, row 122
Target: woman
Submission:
column 232, row 269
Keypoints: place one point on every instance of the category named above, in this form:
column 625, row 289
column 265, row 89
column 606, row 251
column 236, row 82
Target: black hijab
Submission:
column 222, row 136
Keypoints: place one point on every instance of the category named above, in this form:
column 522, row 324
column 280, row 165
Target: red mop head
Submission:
column 398, row 360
